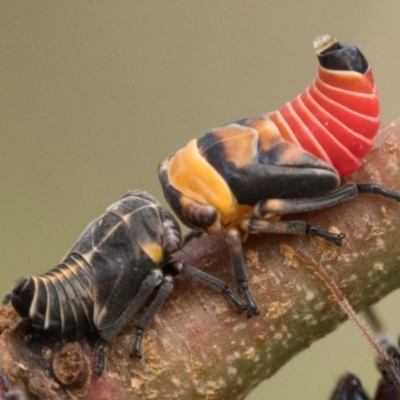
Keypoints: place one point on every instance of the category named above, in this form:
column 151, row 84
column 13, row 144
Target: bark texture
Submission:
column 198, row 347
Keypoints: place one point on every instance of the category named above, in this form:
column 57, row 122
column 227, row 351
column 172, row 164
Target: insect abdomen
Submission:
column 337, row 117
column 58, row 301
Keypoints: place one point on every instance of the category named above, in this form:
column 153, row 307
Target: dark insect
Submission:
column 349, row 386
column 241, row 177
column 107, row 276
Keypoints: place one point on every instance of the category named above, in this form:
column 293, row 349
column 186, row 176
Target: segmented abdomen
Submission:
column 61, row 300
column 336, row 118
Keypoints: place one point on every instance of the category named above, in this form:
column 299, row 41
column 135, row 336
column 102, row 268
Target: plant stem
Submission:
column 198, row 347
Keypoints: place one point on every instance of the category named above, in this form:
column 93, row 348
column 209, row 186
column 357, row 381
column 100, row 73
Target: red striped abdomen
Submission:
column 335, row 119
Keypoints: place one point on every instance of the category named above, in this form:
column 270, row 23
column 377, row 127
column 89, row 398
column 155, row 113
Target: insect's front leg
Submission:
column 235, row 245
column 214, row 283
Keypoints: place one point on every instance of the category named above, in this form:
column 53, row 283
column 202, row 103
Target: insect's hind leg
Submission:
column 343, row 193
column 375, row 188
column 258, row 225
column 291, row 206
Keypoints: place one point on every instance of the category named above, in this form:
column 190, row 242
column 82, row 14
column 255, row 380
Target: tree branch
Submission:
column 198, row 347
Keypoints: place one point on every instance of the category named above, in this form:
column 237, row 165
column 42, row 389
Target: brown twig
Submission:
column 198, row 347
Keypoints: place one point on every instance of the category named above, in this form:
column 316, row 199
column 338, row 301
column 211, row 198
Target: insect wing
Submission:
column 143, row 219
column 283, row 171
column 127, row 243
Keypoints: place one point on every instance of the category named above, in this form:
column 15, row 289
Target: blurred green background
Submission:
column 93, row 94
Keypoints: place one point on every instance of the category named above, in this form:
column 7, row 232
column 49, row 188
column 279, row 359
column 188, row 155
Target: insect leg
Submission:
column 148, row 315
column 335, row 238
column 109, row 332
column 146, row 289
column 257, row 225
column 374, row 188
column 233, row 238
column 99, row 353
column 215, row 284
column 289, row 206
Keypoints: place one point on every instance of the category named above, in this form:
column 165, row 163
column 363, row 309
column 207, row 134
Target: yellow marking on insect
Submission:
column 292, row 155
column 34, row 305
column 191, row 174
column 268, row 134
column 109, row 233
column 55, row 279
column 275, row 205
column 47, row 318
column 66, row 272
column 240, row 143
column 153, row 250
column 127, row 218
column 239, row 217
column 78, row 263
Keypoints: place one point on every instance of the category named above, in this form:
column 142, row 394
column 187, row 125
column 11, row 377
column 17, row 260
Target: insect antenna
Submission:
column 385, row 361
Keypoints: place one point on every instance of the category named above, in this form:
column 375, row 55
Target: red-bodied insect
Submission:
column 241, row 177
